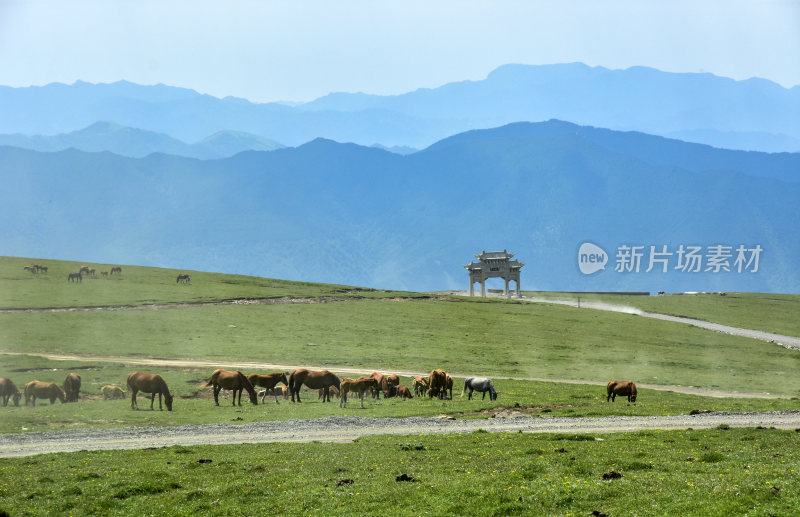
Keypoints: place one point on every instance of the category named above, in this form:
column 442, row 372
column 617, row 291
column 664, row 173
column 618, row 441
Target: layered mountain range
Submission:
column 345, row 213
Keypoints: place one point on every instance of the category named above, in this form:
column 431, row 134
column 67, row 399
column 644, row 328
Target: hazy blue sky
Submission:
column 300, row 50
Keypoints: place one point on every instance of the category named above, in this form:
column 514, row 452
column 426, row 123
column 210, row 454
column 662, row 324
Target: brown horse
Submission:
column 111, row 392
column 322, row 379
column 72, row 387
column 43, row 390
column 74, row 277
column 420, row 385
column 184, row 279
column 403, row 392
column 117, row 270
column 269, row 382
column 333, row 390
column 437, row 384
column 149, row 383
column 360, row 385
column 621, row 388
column 382, row 386
column 8, row 390
column 235, row 381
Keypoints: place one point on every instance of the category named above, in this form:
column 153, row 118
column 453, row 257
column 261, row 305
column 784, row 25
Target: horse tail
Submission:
column 466, row 385
column 291, row 383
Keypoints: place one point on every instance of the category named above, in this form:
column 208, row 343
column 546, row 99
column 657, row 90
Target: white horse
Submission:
column 482, row 384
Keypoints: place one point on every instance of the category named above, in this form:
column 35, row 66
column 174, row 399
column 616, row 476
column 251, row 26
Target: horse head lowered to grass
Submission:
column 623, row 389
column 230, row 380
column 43, row 390
column 149, row 383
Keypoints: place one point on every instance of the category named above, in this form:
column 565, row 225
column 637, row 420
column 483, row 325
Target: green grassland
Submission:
column 194, row 404
column 715, row 472
column 712, row 472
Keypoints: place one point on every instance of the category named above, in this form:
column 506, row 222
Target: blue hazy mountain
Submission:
column 137, row 143
column 344, row 213
column 753, row 114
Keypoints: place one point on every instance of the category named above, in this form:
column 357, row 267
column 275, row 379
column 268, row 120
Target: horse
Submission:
column 437, row 384
column 111, row 392
column 383, row 385
column 75, row 277
column 235, row 381
column 8, row 390
column 403, row 392
column 621, row 388
column 72, row 387
column 359, row 386
column 104, row 274
column 313, row 380
column 269, row 382
column 43, row 390
column 32, row 269
column 84, row 269
column 449, row 385
column 420, row 386
column 149, row 383
column 40, row 268
column 184, row 279
column 116, row 269
column 481, row 384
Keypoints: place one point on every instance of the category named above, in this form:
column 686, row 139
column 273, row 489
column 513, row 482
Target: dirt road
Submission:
column 340, row 429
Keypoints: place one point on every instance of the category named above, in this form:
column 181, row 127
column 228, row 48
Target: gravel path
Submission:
column 348, row 428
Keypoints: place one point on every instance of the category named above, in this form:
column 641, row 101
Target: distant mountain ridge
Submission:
column 344, row 213
column 138, row 143
column 754, row 114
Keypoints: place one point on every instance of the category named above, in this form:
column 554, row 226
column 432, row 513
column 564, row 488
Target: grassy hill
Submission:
column 371, row 329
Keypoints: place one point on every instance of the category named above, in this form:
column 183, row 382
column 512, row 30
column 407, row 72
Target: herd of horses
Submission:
column 87, row 271
column 438, row 384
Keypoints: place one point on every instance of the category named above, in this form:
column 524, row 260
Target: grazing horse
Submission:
column 72, row 387
column 75, row 277
column 322, row 379
column 403, row 392
column 43, row 390
column 621, row 388
column 437, row 384
column 235, row 381
column 104, row 274
column 32, row 269
column 382, row 386
column 269, row 382
column 84, row 269
column 149, row 383
column 111, row 392
column 117, row 270
column 183, row 279
column 39, row 268
column 420, row 386
column 359, row 386
column 481, row 384
column 8, row 390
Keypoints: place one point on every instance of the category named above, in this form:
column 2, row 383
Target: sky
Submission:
column 299, row 50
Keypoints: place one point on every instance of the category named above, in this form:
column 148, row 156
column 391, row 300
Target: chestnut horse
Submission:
column 403, row 392
column 322, row 379
column 72, row 387
column 269, row 382
column 43, row 390
column 360, row 385
column 112, row 392
column 437, row 384
column 149, row 383
column 420, row 385
column 8, row 390
column 235, row 381
column 621, row 388
column 382, row 386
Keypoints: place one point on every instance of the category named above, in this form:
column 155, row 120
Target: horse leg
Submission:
column 326, row 394
column 216, row 394
column 483, row 396
column 134, row 405
column 153, row 399
column 361, row 396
